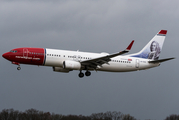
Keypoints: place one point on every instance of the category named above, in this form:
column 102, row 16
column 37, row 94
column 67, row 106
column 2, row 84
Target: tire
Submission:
column 81, row 74
column 87, row 73
column 18, row 68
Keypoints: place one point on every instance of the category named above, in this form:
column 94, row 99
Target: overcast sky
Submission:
column 92, row 26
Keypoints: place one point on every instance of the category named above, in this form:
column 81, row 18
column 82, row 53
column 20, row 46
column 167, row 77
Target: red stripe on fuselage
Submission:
column 34, row 56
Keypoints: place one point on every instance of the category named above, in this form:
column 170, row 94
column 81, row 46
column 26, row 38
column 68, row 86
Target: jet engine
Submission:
column 71, row 65
column 60, row 69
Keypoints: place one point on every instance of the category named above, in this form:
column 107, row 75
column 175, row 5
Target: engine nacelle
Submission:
column 71, row 65
column 60, row 69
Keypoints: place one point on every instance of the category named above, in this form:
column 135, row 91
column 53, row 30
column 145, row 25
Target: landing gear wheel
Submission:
column 18, row 68
column 81, row 74
column 87, row 73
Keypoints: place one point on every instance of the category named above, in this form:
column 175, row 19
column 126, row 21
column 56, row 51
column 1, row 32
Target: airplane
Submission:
column 66, row 61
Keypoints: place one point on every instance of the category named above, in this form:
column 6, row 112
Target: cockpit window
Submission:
column 13, row 51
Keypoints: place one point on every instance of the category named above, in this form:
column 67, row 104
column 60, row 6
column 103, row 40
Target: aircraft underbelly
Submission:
column 114, row 67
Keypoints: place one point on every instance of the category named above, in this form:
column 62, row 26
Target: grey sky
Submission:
column 94, row 26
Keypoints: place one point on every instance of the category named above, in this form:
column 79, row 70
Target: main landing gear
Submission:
column 87, row 73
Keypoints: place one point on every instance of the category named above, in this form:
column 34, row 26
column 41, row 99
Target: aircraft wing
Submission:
column 98, row 62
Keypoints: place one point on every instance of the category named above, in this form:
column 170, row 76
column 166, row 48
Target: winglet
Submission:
column 130, row 46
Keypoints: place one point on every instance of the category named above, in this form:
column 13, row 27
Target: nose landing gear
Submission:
column 18, row 68
column 16, row 63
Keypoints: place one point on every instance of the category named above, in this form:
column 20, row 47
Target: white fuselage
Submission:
column 56, row 57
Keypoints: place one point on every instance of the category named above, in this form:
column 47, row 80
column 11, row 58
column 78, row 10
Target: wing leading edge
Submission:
column 98, row 62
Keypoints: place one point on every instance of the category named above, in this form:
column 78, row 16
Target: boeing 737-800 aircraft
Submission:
column 66, row 61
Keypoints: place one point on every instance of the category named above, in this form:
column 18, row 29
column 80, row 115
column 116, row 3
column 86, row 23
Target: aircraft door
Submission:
column 137, row 63
column 25, row 52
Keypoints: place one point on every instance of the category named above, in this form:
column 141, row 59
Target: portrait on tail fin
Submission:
column 153, row 48
column 154, row 51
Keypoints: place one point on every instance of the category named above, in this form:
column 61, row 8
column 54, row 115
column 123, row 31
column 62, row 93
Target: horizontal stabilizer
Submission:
column 161, row 60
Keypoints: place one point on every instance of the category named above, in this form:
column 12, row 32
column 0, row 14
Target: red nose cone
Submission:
column 5, row 55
